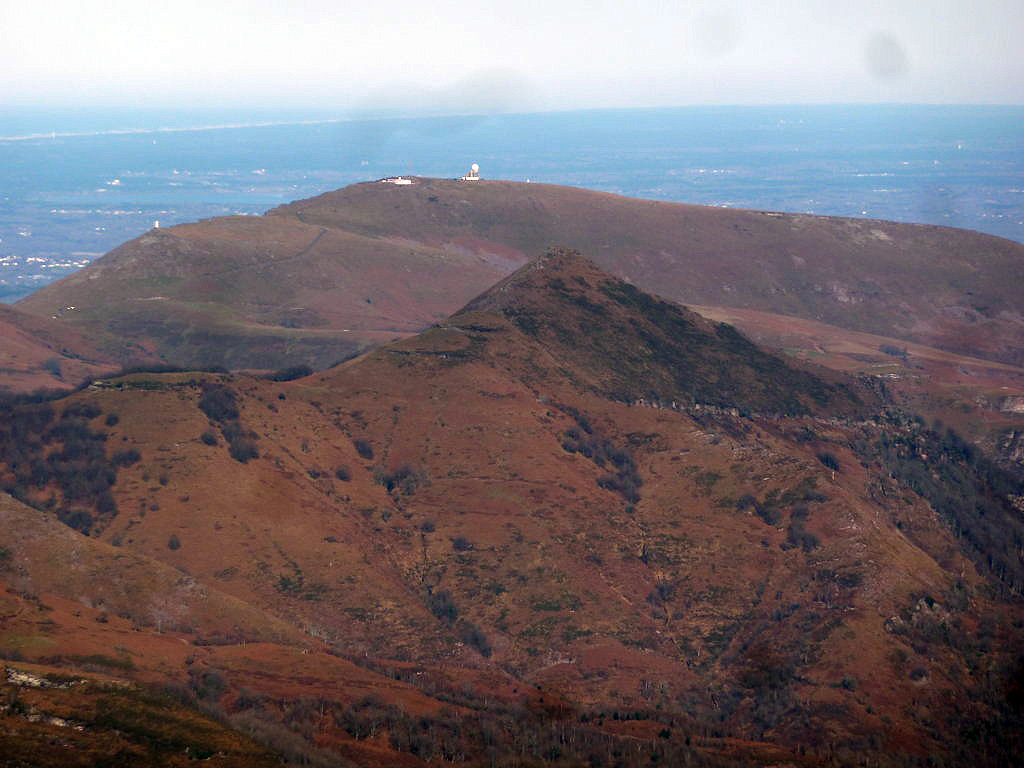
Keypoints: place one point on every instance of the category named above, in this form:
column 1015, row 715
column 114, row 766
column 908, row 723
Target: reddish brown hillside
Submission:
column 680, row 549
column 43, row 353
column 138, row 654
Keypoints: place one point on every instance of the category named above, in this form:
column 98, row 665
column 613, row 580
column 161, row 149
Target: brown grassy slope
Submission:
column 48, row 557
column 75, row 603
column 504, row 521
column 42, row 353
column 575, row 574
column 260, row 292
column 499, row 511
column 948, row 288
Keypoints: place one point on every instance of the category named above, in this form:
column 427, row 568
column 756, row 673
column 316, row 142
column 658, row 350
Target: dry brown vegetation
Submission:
column 315, row 281
column 541, row 551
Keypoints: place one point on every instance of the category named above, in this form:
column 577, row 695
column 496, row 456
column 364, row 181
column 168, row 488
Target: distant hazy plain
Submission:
column 76, row 184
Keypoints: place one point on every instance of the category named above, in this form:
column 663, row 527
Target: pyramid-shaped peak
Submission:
column 629, row 345
column 538, row 276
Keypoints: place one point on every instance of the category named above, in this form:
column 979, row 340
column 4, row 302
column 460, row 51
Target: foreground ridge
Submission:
column 570, row 524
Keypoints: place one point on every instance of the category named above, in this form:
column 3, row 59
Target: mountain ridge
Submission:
column 570, row 522
column 673, row 354
column 823, row 268
column 328, row 276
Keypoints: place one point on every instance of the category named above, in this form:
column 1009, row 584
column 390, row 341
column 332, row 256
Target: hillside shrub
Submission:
column 243, row 449
column 768, row 510
column 66, row 456
column 52, row 365
column 895, row 351
column 173, row 542
column 512, row 735
column 167, row 368
column 219, row 402
column 86, row 411
column 297, row 586
column 343, row 474
column 405, row 478
column 829, row 460
column 363, row 448
column 106, row 505
column 623, row 477
column 972, row 494
column 797, row 535
column 776, row 501
column 126, row 458
column 78, row 519
column 442, row 605
column 207, row 684
column 525, row 320
column 473, row 636
column 232, row 430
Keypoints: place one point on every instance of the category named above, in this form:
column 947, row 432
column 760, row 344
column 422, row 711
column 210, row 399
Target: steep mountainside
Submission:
column 510, row 541
column 315, row 280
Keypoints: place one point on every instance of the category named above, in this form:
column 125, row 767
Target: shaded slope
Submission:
column 65, row 718
column 982, row 400
column 630, row 346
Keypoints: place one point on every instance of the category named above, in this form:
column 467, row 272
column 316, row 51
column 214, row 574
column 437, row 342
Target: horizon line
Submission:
column 442, row 115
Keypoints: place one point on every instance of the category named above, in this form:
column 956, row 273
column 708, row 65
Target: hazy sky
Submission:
column 457, row 55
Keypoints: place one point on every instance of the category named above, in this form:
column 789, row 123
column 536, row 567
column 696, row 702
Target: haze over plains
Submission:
column 489, row 56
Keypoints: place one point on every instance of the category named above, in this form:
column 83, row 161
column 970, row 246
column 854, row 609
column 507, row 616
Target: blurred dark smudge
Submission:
column 884, row 57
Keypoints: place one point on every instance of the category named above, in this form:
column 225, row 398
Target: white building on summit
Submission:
column 474, row 173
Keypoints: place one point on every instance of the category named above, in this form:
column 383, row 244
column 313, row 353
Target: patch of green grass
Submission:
column 26, row 642
column 94, row 660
